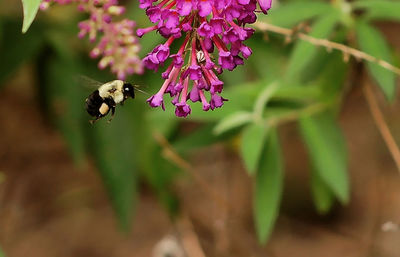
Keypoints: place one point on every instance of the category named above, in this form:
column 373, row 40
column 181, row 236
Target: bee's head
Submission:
column 129, row 90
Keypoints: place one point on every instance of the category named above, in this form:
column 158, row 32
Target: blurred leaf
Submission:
column 328, row 67
column 372, row 42
column 30, row 9
column 2, row 253
column 380, row 9
column 201, row 137
column 268, row 187
column 233, row 121
column 263, row 98
column 267, row 64
column 159, row 172
column 2, row 25
column 304, row 52
column 16, row 48
column 160, row 175
column 322, row 195
column 240, row 97
column 113, row 147
column 161, row 121
column 330, row 80
column 296, row 92
column 327, row 150
column 291, row 14
column 240, row 75
column 65, row 98
column 252, row 143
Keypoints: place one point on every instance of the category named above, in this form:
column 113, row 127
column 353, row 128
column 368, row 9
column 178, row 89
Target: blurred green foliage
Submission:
column 278, row 84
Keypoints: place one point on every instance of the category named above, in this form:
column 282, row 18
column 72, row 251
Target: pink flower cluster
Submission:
column 118, row 44
column 208, row 28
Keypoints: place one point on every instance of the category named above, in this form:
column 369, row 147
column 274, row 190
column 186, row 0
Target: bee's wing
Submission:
column 88, row 83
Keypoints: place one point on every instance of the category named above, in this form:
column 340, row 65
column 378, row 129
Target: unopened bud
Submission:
column 116, row 10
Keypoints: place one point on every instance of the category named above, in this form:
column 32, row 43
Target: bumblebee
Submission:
column 106, row 98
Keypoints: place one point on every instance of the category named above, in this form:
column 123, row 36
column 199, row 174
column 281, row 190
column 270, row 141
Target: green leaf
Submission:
column 113, row 147
column 269, row 62
column 327, row 149
column 2, row 253
column 380, row 9
column 331, row 77
column 232, row 121
column 296, row 92
column 252, row 143
column 201, row 137
column 291, row 14
column 15, row 48
column 263, row 99
column 241, row 97
column 64, row 98
column 268, row 188
column 327, row 69
column 304, row 51
column 322, row 195
column 161, row 121
column 31, row 7
column 372, row 42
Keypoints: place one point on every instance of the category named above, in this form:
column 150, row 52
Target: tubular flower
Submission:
column 213, row 33
column 118, row 45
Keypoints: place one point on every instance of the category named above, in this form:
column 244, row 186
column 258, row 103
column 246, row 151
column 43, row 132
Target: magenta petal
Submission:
column 182, row 110
column 156, row 100
column 265, row 5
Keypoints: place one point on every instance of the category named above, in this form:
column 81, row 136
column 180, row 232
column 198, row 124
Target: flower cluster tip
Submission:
column 118, row 46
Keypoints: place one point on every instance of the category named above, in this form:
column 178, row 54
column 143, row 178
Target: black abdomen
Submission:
column 93, row 104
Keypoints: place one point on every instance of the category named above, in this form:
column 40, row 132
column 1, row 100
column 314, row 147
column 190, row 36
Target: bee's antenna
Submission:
column 141, row 91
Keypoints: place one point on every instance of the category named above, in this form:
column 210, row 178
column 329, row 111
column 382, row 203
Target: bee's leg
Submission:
column 93, row 121
column 112, row 114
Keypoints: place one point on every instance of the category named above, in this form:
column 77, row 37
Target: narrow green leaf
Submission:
column 291, row 14
column 232, row 121
column 253, row 139
column 304, row 52
column 31, row 7
column 2, row 253
column 322, row 195
column 113, row 147
column 268, row 188
column 372, row 42
column 380, row 9
column 327, row 150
